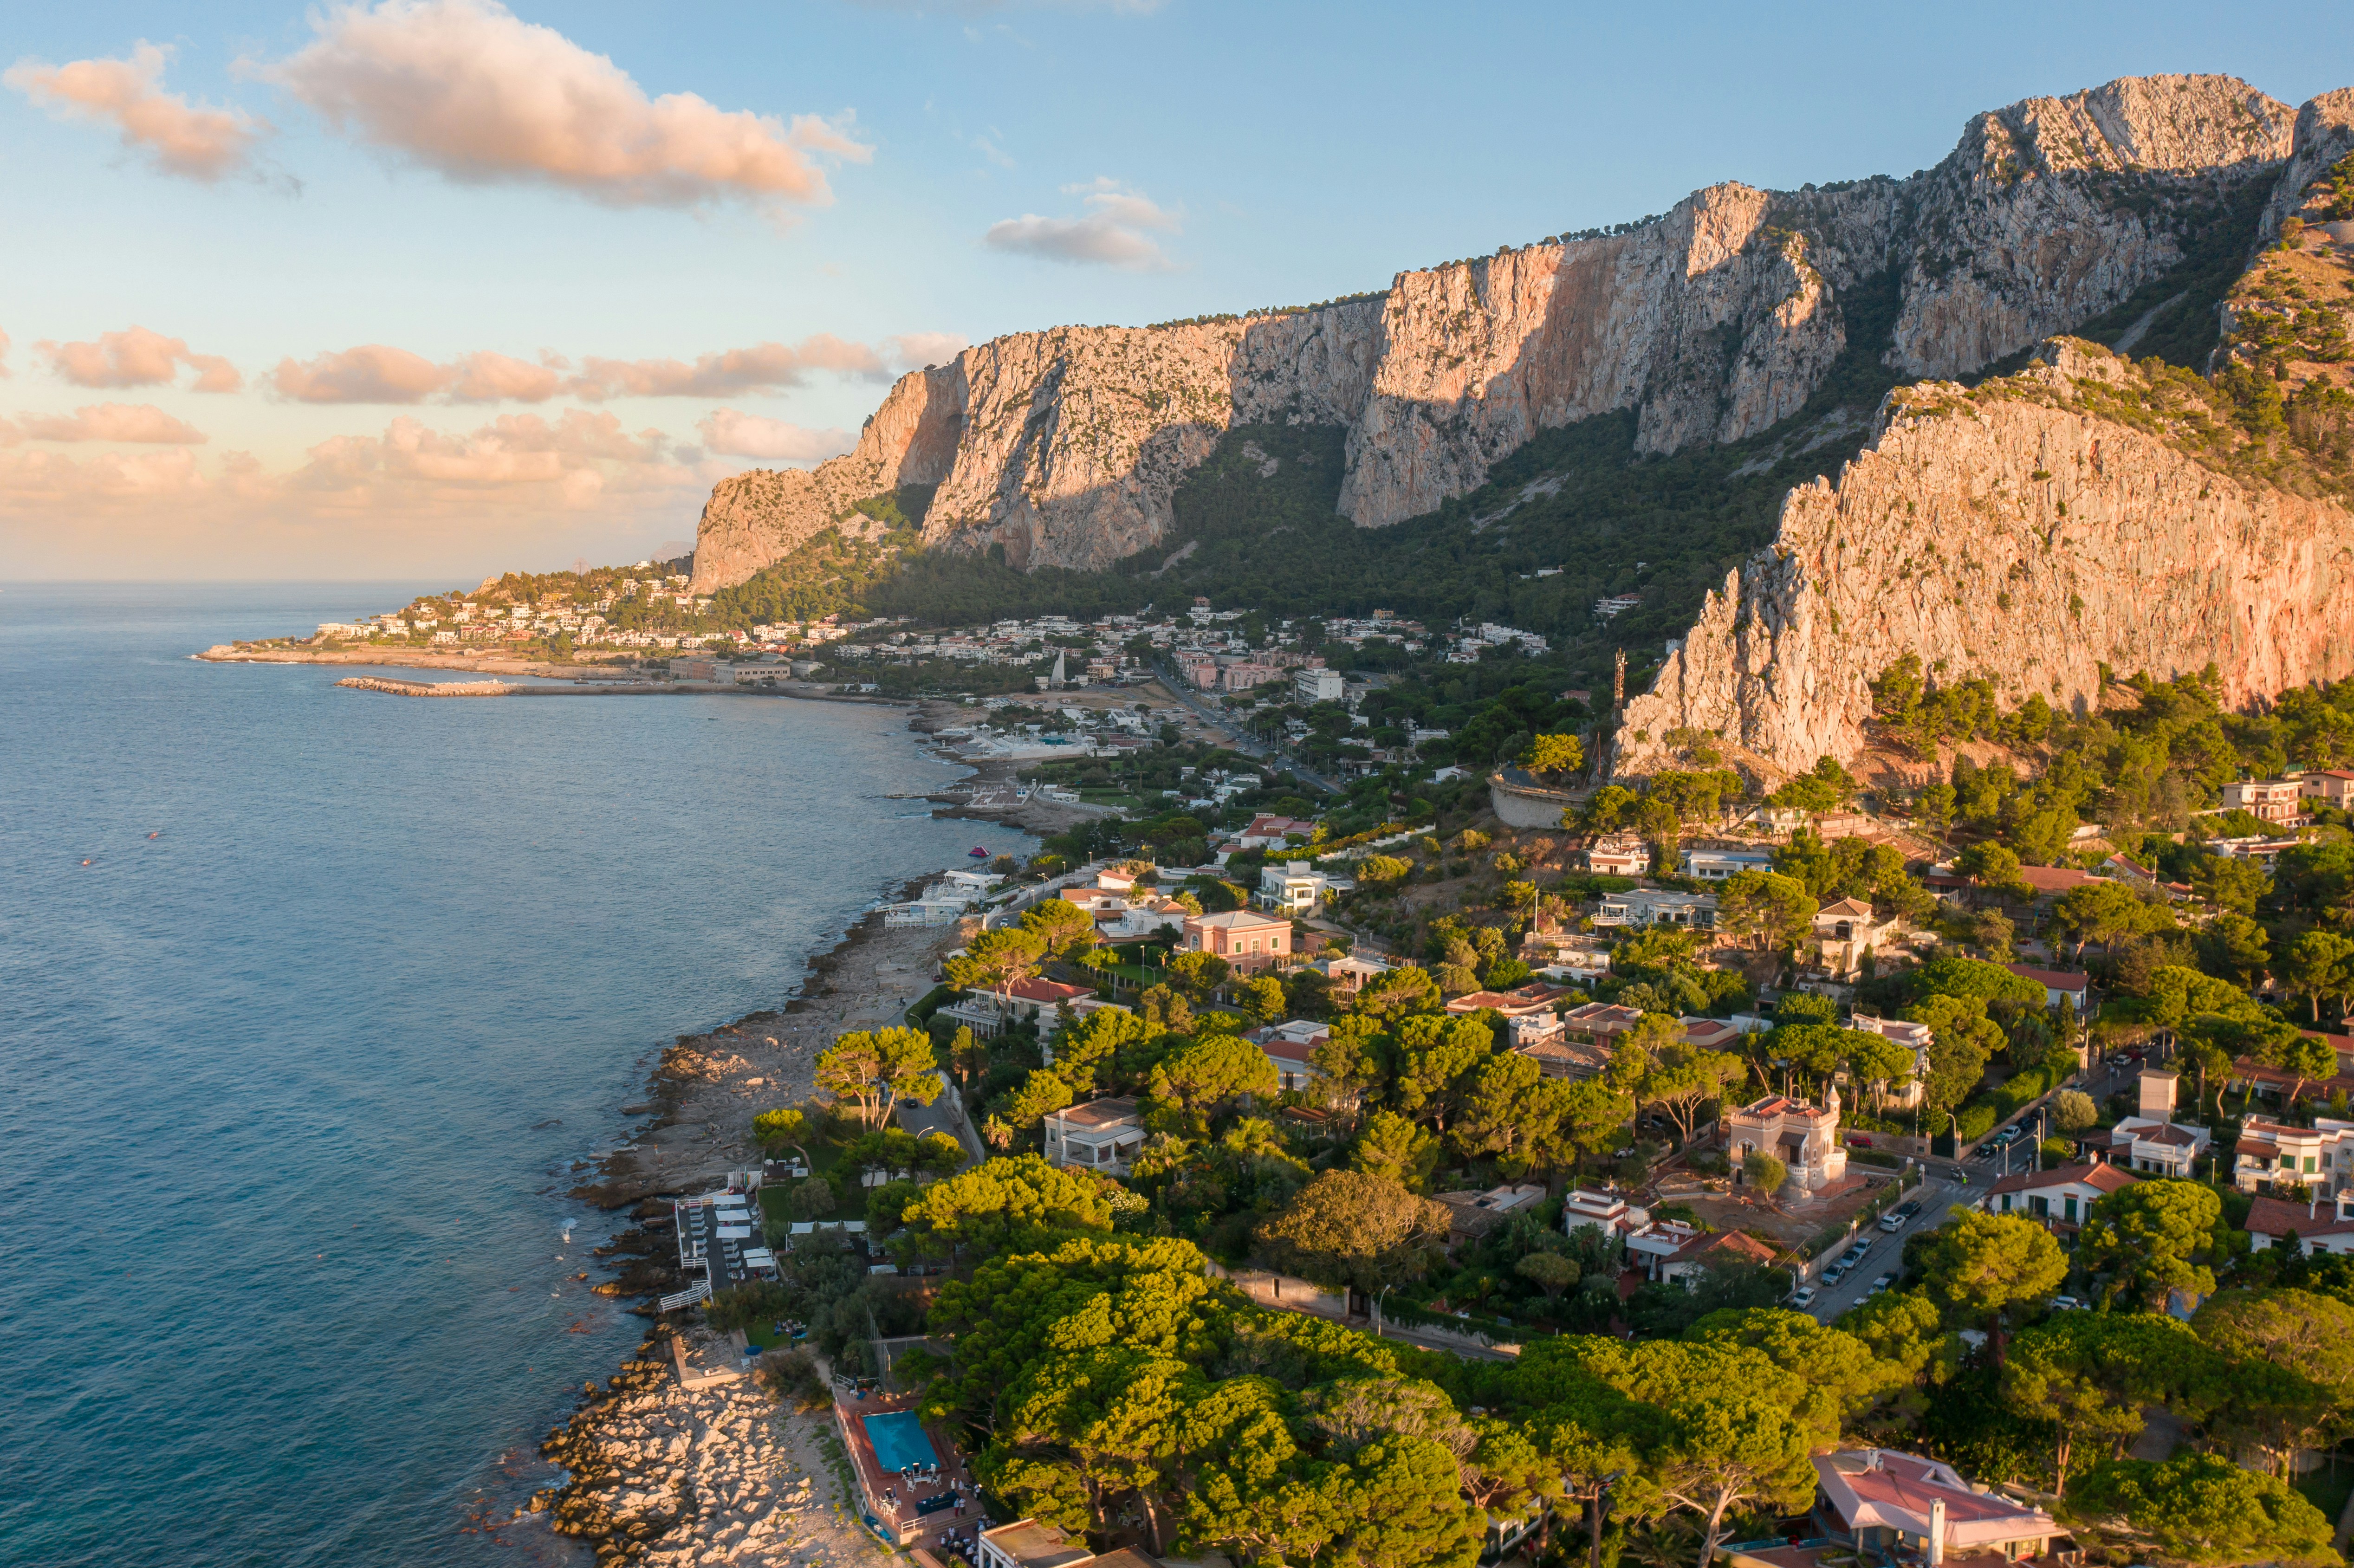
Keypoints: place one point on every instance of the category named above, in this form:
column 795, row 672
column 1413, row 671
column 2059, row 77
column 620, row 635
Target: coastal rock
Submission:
column 1065, row 447
column 2010, row 533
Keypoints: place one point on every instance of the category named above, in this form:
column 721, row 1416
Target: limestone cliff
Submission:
column 2015, row 532
column 1711, row 323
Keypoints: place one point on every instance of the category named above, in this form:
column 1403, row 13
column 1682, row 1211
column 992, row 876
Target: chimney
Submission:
column 2157, row 1094
column 1937, row 1532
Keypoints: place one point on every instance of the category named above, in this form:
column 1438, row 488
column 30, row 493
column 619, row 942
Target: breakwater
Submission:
column 427, row 688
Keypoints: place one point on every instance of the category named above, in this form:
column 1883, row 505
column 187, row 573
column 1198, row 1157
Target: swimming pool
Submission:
column 899, row 1441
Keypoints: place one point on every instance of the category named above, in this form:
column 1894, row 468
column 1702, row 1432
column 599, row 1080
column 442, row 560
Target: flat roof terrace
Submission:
column 913, row 1480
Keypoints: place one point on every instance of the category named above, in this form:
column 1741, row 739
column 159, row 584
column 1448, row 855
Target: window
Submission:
column 2068, row 1209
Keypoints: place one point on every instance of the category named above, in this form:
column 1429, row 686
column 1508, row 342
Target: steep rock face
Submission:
column 2325, row 133
column 1712, row 323
column 2053, row 209
column 757, row 517
column 2012, row 536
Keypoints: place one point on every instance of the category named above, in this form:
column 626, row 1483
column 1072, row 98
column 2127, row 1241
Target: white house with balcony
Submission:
column 1101, row 1134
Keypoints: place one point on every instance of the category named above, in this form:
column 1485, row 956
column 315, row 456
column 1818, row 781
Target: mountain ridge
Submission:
column 1713, row 322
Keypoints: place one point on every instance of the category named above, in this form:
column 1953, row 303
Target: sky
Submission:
column 440, row 288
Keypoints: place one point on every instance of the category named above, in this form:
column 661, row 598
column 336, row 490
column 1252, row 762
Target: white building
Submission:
column 1315, row 685
column 1716, row 864
column 1295, row 887
column 1101, row 1134
column 1641, row 907
column 1605, row 1212
column 2151, row 1141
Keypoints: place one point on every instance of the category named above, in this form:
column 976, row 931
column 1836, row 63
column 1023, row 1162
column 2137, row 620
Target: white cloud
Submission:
column 915, row 350
column 141, row 422
column 197, row 142
column 137, row 358
column 762, row 367
column 4, row 357
column 488, row 378
column 472, row 91
column 732, row 434
column 1115, row 230
column 371, row 373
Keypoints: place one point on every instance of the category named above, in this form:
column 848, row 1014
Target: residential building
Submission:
column 1295, row 887
column 1716, row 864
column 1319, row 685
column 1349, row 974
column 1710, row 1034
column 1027, row 1543
column 1271, row 832
column 2319, row 1225
column 1472, row 1214
column 1879, row 1502
column 1600, row 1022
column 1619, row 856
column 2061, row 1196
column 2270, row 800
column 1556, row 1054
column 1101, row 1134
column 2058, row 985
column 1642, row 906
column 1904, row 1093
column 1672, row 1249
column 2143, row 879
column 1604, row 1212
column 990, row 1012
column 1288, row 1047
column 2272, row 1157
column 1804, row 1137
column 2264, row 852
column 2150, row 1141
column 1847, row 929
column 1245, row 938
column 1520, row 1001
column 2330, row 785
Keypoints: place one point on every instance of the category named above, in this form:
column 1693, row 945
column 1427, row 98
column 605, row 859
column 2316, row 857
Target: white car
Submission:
column 1880, row 1284
column 1803, row 1296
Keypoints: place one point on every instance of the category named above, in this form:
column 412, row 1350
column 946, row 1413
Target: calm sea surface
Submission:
column 290, row 1094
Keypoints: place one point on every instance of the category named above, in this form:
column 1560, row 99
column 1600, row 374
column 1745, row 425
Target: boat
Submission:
column 978, row 853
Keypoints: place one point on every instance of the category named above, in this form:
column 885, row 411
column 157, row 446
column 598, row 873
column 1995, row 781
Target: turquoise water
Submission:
column 899, row 1441
column 291, row 1093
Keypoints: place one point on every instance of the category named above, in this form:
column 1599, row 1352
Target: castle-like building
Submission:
column 1801, row 1136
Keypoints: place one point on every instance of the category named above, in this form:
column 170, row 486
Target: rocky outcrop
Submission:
column 1712, row 323
column 2011, row 534
column 2325, row 133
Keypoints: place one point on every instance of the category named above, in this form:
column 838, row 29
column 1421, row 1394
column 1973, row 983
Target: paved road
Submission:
column 1939, row 1195
column 1219, row 719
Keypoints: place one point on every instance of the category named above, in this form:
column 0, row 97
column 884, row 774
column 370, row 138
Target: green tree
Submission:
column 1661, row 1069
column 1976, row 1267
column 778, row 1130
column 1764, row 1172
column 1731, row 1428
column 2092, row 1374
column 878, row 1068
column 998, row 1200
column 1060, row 926
column 2100, row 912
column 1549, row 1272
column 2073, row 1110
column 1200, row 973
column 1404, row 990
column 1994, row 868
column 2292, row 1379
column 995, row 959
column 2235, row 946
column 2203, row 1508
column 1829, row 1357
column 1552, row 755
column 1962, row 1041
column 1210, row 1073
column 2229, row 883
column 1435, row 1051
column 1347, row 1228
column 1775, row 911
column 2152, row 1238
column 1396, row 1149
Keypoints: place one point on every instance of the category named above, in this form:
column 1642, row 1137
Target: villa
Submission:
column 1288, row 1047
column 2274, row 1157
column 1877, row 1500
column 2059, row 1197
column 990, row 1012
column 1245, row 939
column 1101, row 1134
column 2152, row 1142
column 2317, row 1225
column 911, row 1479
column 1604, row 1212
column 1803, row 1136
column 1028, row 1543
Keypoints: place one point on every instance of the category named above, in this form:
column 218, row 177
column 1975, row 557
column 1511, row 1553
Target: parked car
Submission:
column 1858, row 1140
column 1898, row 1217
column 1856, row 1250
column 1880, row 1284
column 1833, row 1272
column 1803, row 1296
column 2066, row 1304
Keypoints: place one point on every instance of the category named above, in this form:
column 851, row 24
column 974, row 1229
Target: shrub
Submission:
column 1976, row 1119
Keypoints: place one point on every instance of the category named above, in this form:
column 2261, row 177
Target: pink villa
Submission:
column 1803, row 1136
column 1245, row 939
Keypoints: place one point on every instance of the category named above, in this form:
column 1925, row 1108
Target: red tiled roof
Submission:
column 2275, row 1218
column 2054, row 878
column 2107, row 1178
column 1046, row 993
column 2051, row 980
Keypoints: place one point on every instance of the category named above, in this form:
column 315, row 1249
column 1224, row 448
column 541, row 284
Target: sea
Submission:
column 311, row 1001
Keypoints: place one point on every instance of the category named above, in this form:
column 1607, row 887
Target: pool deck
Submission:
column 896, row 1519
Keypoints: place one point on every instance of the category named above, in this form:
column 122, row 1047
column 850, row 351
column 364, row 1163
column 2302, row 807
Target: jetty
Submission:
column 429, row 688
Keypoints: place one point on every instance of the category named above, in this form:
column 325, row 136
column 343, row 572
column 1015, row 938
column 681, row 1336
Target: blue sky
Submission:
column 1232, row 155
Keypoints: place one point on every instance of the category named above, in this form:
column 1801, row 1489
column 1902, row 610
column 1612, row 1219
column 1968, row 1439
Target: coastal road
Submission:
column 1245, row 744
